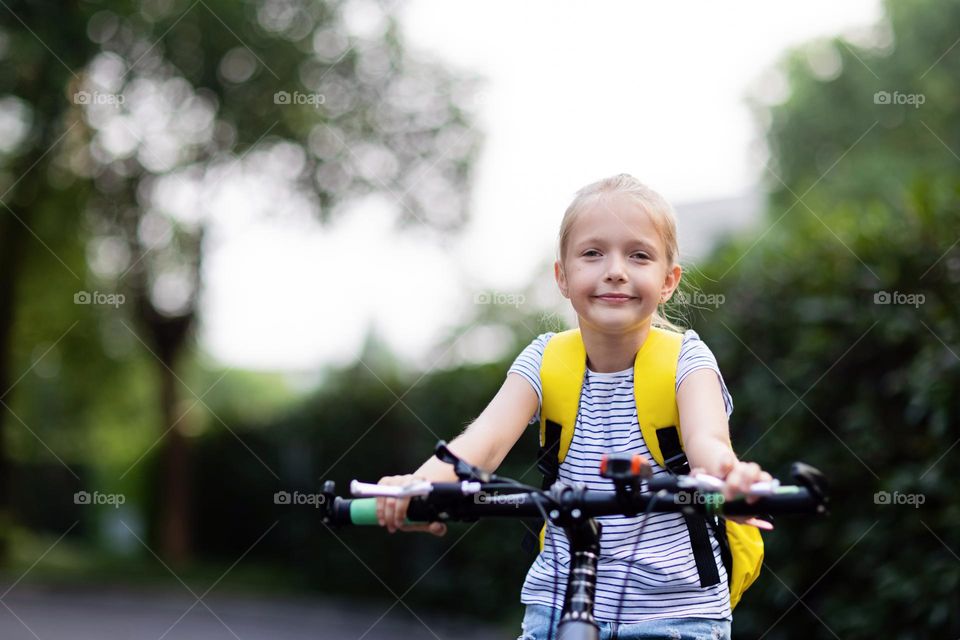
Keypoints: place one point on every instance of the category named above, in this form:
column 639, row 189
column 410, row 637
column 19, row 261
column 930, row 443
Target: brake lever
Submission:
column 464, row 470
column 712, row 484
column 814, row 481
column 370, row 490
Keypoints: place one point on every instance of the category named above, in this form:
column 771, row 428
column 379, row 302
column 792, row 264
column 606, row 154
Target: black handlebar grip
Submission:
column 420, row 511
column 665, row 482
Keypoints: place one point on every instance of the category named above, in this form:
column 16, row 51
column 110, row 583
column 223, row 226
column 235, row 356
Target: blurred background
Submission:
column 250, row 245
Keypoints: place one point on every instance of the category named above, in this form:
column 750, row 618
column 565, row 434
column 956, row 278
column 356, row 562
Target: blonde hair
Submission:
column 655, row 206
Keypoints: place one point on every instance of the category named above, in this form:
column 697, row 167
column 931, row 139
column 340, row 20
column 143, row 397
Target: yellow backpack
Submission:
column 655, row 370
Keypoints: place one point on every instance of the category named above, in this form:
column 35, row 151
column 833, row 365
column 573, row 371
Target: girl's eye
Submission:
column 591, row 252
column 641, row 255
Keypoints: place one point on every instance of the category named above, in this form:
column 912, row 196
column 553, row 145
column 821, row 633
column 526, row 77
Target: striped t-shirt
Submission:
column 663, row 581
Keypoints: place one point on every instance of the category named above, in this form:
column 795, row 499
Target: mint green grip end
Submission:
column 363, row 511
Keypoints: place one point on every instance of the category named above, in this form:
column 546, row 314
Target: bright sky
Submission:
column 574, row 91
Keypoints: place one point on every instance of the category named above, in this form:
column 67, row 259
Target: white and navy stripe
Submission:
column 662, row 581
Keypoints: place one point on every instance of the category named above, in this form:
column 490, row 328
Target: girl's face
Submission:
column 614, row 269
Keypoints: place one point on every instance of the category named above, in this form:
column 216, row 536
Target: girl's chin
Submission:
column 611, row 316
column 612, row 321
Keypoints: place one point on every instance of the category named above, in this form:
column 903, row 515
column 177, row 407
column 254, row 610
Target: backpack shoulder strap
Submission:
column 676, row 463
column 561, row 378
column 654, row 388
column 562, row 371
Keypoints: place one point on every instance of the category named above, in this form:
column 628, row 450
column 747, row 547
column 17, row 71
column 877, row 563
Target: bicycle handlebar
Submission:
column 469, row 500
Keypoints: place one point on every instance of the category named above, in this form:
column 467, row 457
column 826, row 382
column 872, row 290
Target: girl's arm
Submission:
column 485, row 443
column 706, row 434
column 489, row 438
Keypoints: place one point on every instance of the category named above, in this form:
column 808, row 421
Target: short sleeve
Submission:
column 527, row 365
column 695, row 354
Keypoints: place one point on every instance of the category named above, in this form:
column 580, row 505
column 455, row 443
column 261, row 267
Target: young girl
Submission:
column 617, row 263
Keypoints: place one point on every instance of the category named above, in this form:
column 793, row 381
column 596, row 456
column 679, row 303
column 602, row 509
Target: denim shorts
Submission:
column 537, row 620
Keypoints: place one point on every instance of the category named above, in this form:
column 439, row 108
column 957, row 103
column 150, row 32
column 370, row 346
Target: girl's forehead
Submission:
column 621, row 218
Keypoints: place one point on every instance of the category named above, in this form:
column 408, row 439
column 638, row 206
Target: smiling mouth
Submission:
column 616, row 299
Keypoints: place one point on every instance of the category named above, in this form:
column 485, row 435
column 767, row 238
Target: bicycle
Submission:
column 481, row 494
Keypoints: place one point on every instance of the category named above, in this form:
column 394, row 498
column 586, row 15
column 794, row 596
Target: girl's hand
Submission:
column 738, row 478
column 391, row 512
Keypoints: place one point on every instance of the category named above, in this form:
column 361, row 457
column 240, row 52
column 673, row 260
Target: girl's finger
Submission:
column 753, row 522
column 401, row 513
column 436, row 528
column 732, row 487
column 382, row 502
column 760, row 524
column 388, row 510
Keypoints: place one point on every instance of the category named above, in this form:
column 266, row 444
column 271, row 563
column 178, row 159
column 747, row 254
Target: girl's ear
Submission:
column 671, row 282
column 561, row 278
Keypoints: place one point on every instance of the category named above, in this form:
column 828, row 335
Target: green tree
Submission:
column 187, row 97
column 839, row 332
column 34, row 232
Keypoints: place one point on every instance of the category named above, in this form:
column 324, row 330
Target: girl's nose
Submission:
column 615, row 270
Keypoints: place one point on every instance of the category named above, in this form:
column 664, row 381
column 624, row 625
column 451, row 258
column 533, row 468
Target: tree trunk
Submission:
column 11, row 239
column 168, row 336
column 174, row 485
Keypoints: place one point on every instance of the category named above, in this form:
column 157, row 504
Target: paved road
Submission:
column 33, row 613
